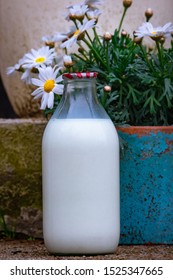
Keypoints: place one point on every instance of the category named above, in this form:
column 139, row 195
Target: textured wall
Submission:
column 20, row 175
column 24, row 22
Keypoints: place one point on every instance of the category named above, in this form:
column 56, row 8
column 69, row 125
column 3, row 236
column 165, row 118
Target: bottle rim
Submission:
column 80, row 75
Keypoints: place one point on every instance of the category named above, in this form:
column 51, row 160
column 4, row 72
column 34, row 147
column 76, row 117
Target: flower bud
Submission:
column 81, row 49
column 162, row 40
column 137, row 40
column 107, row 88
column 127, row 3
column 148, row 13
column 107, row 36
column 50, row 44
column 123, row 33
column 150, row 48
column 67, row 61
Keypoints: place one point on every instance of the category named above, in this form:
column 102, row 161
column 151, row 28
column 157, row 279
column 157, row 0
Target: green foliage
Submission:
column 141, row 80
column 5, row 229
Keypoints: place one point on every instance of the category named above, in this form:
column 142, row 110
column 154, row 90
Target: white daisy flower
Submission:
column 60, row 36
column 82, row 28
column 10, row 70
column 57, row 37
column 92, row 3
column 167, row 29
column 47, row 86
column 93, row 14
column 49, row 40
column 147, row 29
column 76, row 12
column 27, row 76
column 39, row 58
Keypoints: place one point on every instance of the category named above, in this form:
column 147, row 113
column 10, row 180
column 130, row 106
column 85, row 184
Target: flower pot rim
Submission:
column 145, row 130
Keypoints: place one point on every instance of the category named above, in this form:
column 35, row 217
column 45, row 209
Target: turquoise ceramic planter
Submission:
column 147, row 185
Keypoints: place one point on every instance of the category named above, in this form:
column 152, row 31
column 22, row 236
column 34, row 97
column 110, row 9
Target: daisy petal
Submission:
column 50, row 100
column 58, row 89
column 37, row 82
column 44, row 101
column 37, row 92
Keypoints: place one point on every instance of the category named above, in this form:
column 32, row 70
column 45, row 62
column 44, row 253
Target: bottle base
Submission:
column 81, row 250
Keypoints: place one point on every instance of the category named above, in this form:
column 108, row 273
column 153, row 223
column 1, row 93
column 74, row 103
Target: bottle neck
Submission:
column 80, row 100
column 81, row 94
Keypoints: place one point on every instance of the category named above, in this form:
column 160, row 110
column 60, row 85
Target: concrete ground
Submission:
column 35, row 249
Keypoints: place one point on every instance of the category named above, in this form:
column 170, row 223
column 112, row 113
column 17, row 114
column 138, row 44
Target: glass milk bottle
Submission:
column 80, row 154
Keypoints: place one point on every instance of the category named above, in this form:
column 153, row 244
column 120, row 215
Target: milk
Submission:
column 80, row 186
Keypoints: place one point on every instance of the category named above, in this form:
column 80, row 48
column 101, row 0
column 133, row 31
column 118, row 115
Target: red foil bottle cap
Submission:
column 80, row 75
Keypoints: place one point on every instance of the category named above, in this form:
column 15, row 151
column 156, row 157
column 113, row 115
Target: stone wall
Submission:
column 20, row 176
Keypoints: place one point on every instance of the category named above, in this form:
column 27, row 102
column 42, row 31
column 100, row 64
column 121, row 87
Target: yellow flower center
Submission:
column 154, row 32
column 40, row 59
column 77, row 32
column 49, row 85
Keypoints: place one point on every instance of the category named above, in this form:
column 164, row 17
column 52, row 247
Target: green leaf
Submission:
column 168, row 92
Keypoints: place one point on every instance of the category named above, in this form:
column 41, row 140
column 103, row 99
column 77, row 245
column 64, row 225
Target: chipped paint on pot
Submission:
column 147, row 185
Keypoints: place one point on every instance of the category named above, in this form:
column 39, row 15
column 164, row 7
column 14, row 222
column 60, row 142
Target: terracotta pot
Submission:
column 147, row 185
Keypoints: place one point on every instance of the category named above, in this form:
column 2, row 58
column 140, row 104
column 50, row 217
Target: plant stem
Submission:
column 96, row 53
column 95, row 33
column 107, row 54
column 81, row 58
column 122, row 18
column 160, row 53
column 75, row 23
column 146, row 59
column 96, row 36
column 131, row 51
column 89, row 37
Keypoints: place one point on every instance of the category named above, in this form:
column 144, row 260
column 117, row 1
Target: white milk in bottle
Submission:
column 80, row 155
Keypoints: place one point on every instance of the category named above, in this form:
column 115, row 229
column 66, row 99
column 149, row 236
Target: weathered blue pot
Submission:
column 147, row 185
